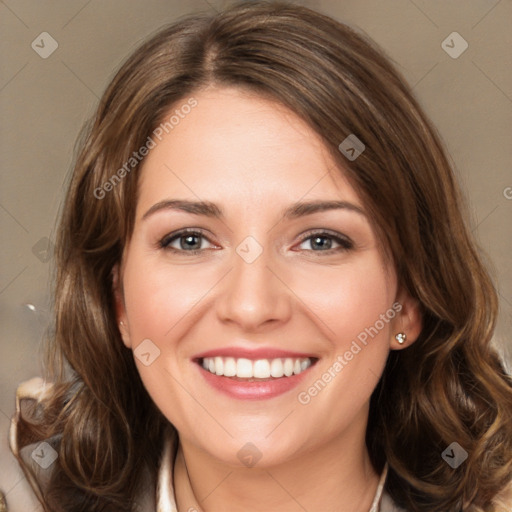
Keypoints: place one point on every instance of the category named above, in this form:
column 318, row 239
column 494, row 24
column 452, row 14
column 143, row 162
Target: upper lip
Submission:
column 253, row 354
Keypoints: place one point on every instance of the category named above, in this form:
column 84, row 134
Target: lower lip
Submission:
column 252, row 390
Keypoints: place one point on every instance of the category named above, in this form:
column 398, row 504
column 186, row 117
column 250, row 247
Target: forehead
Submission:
column 236, row 147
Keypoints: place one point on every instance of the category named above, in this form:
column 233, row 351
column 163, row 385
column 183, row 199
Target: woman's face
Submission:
column 267, row 282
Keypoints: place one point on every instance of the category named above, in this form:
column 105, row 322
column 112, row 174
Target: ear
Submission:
column 408, row 320
column 121, row 317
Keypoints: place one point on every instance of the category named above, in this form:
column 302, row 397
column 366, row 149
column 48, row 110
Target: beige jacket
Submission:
column 41, row 456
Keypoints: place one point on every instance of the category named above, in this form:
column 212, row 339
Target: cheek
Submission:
column 351, row 303
column 348, row 299
column 160, row 302
column 158, row 296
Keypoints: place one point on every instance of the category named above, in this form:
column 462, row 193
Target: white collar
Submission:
column 166, row 500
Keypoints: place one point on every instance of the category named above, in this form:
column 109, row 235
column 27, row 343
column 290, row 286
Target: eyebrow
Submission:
column 308, row 208
column 210, row 209
column 196, row 207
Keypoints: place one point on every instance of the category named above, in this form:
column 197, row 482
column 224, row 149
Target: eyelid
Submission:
column 344, row 241
column 164, row 242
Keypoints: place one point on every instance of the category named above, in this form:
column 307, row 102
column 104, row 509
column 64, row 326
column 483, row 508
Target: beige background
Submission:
column 44, row 103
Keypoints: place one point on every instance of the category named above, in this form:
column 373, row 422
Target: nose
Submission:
column 254, row 295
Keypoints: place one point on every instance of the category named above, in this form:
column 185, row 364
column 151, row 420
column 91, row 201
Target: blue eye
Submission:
column 323, row 241
column 189, row 240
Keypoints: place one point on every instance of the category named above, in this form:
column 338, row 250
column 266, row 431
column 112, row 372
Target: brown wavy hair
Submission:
column 450, row 385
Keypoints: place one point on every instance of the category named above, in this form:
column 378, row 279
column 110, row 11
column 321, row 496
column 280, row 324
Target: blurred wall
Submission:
column 57, row 57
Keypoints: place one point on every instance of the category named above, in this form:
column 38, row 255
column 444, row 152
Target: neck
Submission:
column 336, row 476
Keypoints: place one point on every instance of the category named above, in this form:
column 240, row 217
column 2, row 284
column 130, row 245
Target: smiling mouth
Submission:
column 260, row 370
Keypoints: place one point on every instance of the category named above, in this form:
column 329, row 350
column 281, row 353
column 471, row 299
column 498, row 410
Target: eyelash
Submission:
column 166, row 240
column 345, row 244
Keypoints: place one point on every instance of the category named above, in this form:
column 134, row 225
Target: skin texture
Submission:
column 254, row 158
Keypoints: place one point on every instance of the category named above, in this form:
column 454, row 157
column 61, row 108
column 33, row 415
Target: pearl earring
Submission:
column 401, row 337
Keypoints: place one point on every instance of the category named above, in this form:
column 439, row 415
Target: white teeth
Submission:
column 219, row 366
column 276, row 368
column 229, row 367
column 259, row 369
column 288, row 366
column 244, row 368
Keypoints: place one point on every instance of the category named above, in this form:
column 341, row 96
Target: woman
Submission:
column 267, row 297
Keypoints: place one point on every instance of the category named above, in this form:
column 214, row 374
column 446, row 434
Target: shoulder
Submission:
column 503, row 501
column 37, row 456
column 29, row 396
column 40, row 456
column 388, row 505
